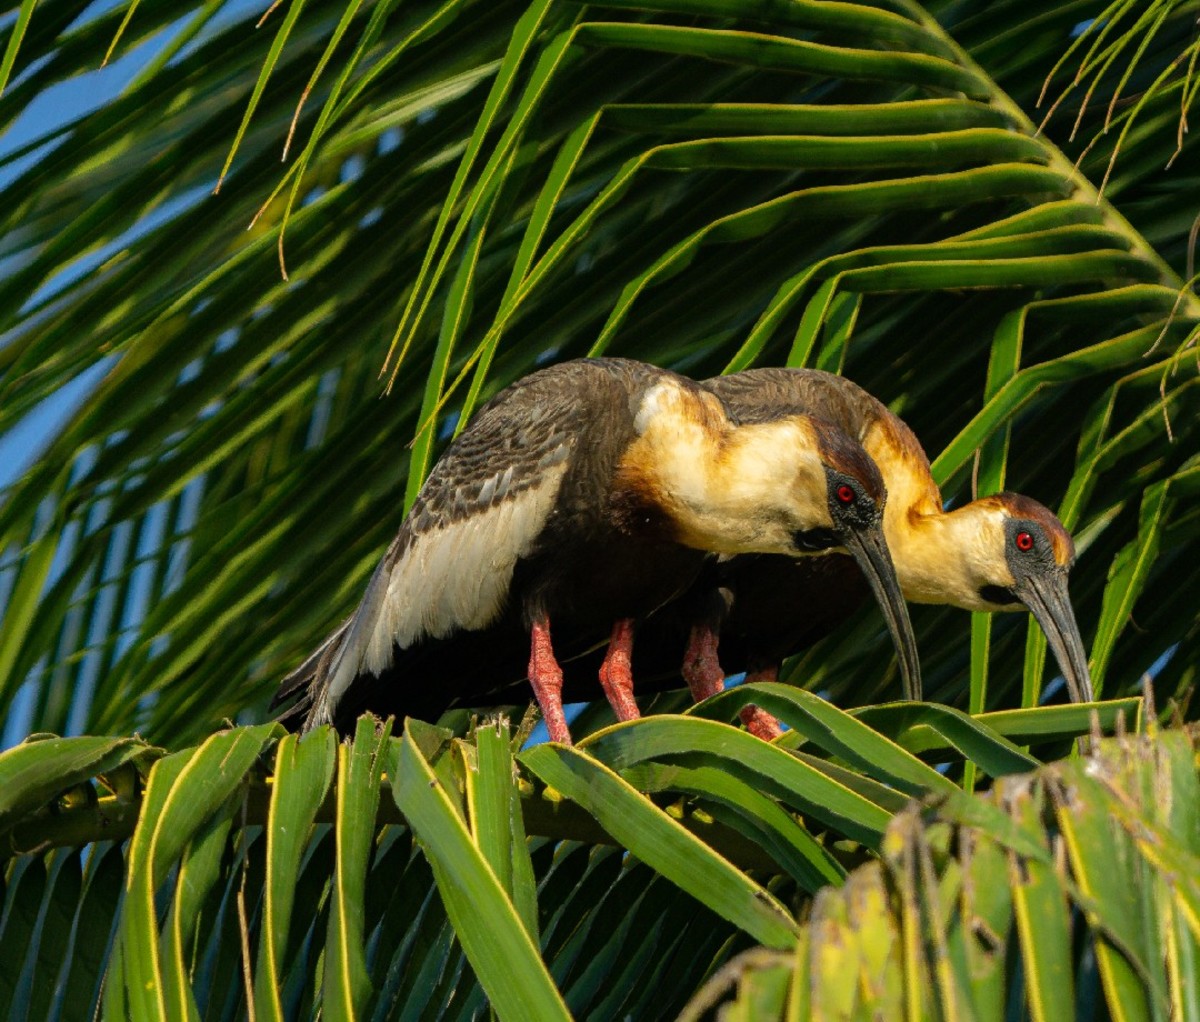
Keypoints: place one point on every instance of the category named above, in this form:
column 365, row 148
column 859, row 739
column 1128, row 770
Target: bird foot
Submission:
column 760, row 723
column 546, row 677
column 616, row 673
column 701, row 668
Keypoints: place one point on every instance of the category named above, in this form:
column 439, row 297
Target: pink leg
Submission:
column 616, row 673
column 702, row 671
column 701, row 668
column 546, row 678
column 758, row 722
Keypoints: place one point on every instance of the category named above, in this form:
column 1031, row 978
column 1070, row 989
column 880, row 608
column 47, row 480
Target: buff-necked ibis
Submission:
column 584, row 496
column 1000, row 553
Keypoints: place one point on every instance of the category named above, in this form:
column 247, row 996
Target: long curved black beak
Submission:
column 1045, row 594
column 870, row 550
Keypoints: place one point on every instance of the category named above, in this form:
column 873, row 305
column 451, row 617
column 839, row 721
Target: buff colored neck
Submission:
column 729, row 489
column 945, row 557
column 941, row 557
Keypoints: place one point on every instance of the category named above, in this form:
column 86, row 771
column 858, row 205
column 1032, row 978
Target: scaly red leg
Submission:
column 616, row 673
column 546, row 678
column 702, row 671
column 758, row 722
column 701, row 668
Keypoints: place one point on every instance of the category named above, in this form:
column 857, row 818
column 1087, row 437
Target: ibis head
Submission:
column 857, row 497
column 1006, row 552
column 1031, row 573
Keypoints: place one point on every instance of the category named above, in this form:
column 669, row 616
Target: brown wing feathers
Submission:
column 449, row 567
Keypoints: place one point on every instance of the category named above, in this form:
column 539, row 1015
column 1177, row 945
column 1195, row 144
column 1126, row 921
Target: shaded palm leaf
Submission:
column 250, row 859
column 1078, row 878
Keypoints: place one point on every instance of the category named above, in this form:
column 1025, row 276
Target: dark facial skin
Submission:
column 1040, row 584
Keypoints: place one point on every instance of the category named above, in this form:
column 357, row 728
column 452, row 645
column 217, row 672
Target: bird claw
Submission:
column 760, row 723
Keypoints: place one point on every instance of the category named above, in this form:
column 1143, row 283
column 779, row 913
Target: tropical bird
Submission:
column 1004, row 552
column 584, row 496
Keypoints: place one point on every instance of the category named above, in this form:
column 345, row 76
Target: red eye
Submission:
column 846, row 494
column 1024, row 541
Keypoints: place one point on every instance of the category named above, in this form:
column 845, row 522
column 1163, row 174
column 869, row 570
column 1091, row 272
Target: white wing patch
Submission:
column 454, row 577
column 457, row 577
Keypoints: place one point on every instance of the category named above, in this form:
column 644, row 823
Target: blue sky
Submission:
column 50, row 110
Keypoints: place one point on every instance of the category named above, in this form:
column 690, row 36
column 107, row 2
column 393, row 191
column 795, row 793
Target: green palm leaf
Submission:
column 350, row 884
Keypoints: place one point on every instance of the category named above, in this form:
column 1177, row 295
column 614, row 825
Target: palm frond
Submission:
column 1059, row 877
column 691, row 184
column 245, row 860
